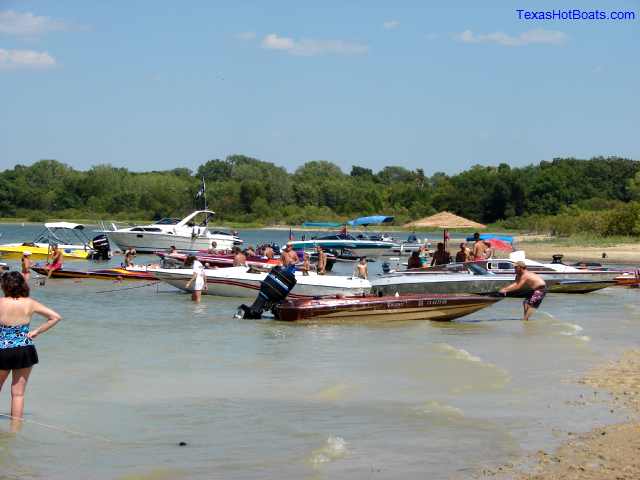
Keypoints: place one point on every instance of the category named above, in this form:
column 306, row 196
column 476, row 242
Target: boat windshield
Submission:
column 168, row 221
column 340, row 236
column 65, row 236
column 477, row 269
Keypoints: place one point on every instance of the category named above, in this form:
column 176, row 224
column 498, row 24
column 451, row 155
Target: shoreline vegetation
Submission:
column 607, row 452
column 565, row 196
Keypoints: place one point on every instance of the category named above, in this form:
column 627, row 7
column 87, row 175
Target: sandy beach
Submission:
column 623, row 253
column 610, row 452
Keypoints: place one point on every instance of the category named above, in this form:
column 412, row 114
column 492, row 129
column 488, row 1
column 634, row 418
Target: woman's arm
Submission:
column 193, row 277
column 52, row 318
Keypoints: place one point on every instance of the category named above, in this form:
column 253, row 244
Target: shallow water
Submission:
column 130, row 373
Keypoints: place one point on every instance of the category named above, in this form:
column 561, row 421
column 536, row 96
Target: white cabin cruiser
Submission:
column 245, row 282
column 189, row 234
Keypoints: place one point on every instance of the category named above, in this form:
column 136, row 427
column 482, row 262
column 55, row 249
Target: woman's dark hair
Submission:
column 14, row 285
column 189, row 261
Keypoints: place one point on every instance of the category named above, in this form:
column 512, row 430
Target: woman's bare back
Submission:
column 18, row 311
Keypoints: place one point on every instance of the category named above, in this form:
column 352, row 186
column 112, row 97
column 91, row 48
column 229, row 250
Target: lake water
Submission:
column 132, row 372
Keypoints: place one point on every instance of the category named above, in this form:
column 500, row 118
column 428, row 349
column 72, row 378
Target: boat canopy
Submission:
column 67, row 225
column 373, row 220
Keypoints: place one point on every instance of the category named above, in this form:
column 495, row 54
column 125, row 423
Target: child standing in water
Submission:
column 361, row 270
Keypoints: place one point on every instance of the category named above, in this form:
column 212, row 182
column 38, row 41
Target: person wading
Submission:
column 198, row 279
column 440, row 256
column 17, row 352
column 361, row 270
column 531, row 282
column 479, row 247
column 288, row 256
column 239, row 258
column 464, row 254
column 322, row 261
column 25, row 265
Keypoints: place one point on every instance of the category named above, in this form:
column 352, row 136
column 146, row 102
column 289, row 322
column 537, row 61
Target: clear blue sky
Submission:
column 155, row 84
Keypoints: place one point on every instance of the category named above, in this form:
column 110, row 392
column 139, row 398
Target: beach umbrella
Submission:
column 446, row 221
column 498, row 244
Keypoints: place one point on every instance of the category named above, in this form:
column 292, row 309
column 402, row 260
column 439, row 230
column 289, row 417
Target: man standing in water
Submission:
column 479, row 248
column 531, row 282
column 25, row 265
column 288, row 256
column 322, row 261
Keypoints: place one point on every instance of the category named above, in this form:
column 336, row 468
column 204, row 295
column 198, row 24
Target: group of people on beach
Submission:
column 482, row 250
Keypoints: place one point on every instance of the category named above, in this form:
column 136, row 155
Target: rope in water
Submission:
column 128, row 288
column 59, row 429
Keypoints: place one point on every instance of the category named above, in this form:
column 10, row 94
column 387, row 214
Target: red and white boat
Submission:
column 387, row 308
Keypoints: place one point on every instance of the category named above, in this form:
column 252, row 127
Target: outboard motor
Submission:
column 557, row 258
column 273, row 289
column 276, row 248
column 386, row 268
column 102, row 248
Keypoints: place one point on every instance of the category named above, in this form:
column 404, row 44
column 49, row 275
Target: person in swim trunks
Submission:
column 17, row 352
column 530, row 281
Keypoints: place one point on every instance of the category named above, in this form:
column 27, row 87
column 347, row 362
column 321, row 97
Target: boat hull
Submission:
column 439, row 284
column 358, row 247
column 580, row 286
column 40, row 251
column 389, row 308
column 149, row 242
column 103, row 274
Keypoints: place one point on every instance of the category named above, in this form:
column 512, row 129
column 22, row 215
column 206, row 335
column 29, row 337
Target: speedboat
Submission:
column 343, row 242
column 245, row 282
column 137, row 272
column 70, row 239
column 410, row 245
column 555, row 270
column 471, row 278
column 431, row 281
column 385, row 308
column 189, row 234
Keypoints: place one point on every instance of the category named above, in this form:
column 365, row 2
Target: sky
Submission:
column 156, row 84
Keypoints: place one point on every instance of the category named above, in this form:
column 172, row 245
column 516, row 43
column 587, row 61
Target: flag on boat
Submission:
column 202, row 190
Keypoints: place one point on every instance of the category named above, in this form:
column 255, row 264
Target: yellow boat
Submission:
column 40, row 251
column 58, row 233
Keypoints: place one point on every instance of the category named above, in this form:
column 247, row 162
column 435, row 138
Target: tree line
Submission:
column 245, row 189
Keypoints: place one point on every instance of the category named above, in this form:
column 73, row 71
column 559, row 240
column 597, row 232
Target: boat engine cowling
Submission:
column 101, row 247
column 273, row 290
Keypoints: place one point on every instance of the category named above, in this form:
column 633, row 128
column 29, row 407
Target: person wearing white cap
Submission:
column 25, row 265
